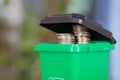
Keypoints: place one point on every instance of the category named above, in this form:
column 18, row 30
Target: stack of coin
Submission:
column 82, row 34
column 65, row 38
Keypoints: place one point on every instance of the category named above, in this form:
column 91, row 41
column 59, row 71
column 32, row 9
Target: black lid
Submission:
column 62, row 23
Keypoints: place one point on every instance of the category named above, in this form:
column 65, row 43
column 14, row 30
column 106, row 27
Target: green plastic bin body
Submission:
column 75, row 61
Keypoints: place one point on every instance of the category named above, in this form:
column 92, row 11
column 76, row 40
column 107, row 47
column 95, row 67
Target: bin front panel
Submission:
column 74, row 66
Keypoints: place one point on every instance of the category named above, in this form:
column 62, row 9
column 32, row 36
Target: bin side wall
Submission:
column 74, row 66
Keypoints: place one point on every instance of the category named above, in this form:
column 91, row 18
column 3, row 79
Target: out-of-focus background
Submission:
column 19, row 32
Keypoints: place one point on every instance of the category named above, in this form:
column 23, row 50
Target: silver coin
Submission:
column 82, row 34
column 65, row 38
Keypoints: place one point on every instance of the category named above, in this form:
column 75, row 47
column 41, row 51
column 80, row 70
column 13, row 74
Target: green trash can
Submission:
column 74, row 61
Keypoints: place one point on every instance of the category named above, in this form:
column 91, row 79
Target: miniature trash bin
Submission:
column 75, row 61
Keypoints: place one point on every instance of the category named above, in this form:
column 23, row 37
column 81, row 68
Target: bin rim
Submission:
column 91, row 47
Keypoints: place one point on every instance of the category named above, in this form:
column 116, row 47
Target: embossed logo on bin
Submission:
column 55, row 78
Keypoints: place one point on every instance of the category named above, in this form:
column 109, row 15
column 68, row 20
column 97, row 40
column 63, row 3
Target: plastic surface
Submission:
column 74, row 61
column 62, row 23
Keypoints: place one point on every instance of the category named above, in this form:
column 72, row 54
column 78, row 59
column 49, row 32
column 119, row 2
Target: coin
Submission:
column 65, row 38
column 81, row 34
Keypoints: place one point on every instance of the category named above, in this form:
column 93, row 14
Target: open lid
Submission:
column 63, row 23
